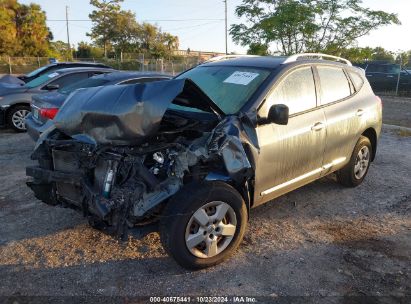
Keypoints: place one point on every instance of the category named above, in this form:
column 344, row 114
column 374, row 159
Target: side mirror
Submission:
column 51, row 87
column 278, row 114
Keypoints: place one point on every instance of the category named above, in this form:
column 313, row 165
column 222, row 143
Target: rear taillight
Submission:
column 49, row 113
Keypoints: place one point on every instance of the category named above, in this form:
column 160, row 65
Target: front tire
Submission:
column 203, row 224
column 16, row 117
column 355, row 171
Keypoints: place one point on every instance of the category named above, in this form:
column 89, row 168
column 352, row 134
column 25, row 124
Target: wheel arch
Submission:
column 246, row 190
column 9, row 111
column 16, row 104
column 371, row 134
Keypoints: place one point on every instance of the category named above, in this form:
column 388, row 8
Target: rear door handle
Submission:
column 317, row 126
column 360, row 112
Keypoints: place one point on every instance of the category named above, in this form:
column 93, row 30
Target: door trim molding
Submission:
column 304, row 176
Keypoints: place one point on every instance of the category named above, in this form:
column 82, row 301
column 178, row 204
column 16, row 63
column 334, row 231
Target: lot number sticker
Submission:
column 53, row 75
column 243, row 78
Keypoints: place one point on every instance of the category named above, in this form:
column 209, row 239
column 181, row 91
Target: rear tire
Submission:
column 203, row 224
column 16, row 117
column 356, row 170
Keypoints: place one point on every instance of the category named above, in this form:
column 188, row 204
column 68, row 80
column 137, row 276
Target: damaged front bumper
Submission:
column 112, row 187
column 119, row 165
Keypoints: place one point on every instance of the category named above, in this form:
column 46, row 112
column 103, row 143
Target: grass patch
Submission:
column 404, row 133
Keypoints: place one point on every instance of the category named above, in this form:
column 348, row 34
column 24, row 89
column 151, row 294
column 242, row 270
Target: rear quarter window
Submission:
column 357, row 80
column 334, row 84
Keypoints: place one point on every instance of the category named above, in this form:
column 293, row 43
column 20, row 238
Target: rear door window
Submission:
column 69, row 79
column 296, row 91
column 334, row 84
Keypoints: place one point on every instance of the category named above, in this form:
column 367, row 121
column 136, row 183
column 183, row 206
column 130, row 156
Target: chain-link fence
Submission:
column 169, row 66
column 21, row 65
column 24, row 65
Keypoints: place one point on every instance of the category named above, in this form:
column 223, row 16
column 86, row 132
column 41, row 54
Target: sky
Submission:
column 205, row 34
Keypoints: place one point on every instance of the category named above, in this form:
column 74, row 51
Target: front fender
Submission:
column 10, row 100
column 244, row 190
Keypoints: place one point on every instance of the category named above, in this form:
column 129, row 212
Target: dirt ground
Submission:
column 322, row 240
column 397, row 111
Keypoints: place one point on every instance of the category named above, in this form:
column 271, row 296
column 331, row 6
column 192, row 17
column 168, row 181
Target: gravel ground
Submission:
column 397, row 111
column 320, row 240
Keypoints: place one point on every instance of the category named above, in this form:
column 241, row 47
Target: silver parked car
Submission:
column 190, row 156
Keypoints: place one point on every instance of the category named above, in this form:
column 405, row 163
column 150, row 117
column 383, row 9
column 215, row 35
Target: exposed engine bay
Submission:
column 121, row 186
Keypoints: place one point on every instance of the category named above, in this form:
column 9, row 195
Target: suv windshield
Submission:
column 41, row 79
column 229, row 87
column 84, row 83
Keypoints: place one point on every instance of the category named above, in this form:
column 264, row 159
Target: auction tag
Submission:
column 53, row 75
column 243, row 78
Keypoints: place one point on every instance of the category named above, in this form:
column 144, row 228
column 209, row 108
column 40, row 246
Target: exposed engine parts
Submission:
column 122, row 177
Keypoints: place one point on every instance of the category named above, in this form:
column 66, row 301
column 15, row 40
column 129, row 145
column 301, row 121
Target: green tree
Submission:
column 104, row 21
column 117, row 28
column 23, row 29
column 170, row 41
column 8, row 29
column 59, row 49
column 357, row 54
column 157, row 43
column 404, row 58
column 257, row 49
column 125, row 32
column 295, row 26
column 86, row 50
column 380, row 53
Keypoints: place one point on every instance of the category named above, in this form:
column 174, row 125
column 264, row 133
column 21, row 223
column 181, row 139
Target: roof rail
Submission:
column 316, row 56
column 227, row 57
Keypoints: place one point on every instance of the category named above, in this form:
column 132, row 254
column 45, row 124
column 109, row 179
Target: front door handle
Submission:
column 317, row 126
column 360, row 112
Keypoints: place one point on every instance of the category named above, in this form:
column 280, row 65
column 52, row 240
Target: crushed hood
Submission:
column 125, row 115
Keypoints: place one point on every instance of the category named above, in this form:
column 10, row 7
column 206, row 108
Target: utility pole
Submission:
column 399, row 75
column 68, row 33
column 226, row 29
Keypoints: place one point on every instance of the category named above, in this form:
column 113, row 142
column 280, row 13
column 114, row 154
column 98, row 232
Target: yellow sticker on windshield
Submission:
column 242, row 78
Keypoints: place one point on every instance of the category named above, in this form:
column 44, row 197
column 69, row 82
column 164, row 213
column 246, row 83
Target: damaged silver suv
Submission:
column 190, row 156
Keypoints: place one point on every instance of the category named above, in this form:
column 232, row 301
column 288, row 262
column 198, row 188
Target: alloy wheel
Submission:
column 362, row 162
column 19, row 119
column 211, row 229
